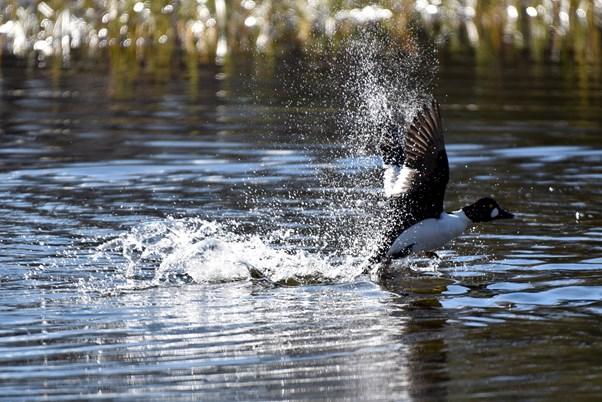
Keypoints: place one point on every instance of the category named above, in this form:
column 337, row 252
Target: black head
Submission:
column 486, row 210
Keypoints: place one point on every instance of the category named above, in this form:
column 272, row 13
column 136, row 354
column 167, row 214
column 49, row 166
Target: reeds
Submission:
column 152, row 35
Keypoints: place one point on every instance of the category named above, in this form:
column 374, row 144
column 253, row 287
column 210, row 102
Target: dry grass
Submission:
column 153, row 35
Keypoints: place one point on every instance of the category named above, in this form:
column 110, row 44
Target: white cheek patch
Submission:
column 495, row 212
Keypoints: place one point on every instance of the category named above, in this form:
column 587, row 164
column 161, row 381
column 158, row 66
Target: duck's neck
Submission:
column 462, row 217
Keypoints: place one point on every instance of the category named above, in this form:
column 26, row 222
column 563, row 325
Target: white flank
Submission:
column 398, row 179
column 431, row 234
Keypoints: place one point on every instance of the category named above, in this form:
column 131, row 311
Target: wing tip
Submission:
column 432, row 109
column 428, row 120
column 423, row 135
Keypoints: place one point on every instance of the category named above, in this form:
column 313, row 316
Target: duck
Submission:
column 416, row 174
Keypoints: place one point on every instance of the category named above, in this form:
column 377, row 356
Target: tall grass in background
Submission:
column 151, row 36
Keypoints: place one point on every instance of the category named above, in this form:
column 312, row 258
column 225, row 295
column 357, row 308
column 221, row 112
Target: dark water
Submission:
column 129, row 218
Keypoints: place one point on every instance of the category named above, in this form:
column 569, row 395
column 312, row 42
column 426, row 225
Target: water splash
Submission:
column 382, row 87
column 386, row 84
column 201, row 251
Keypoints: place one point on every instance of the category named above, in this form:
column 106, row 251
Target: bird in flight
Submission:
column 416, row 172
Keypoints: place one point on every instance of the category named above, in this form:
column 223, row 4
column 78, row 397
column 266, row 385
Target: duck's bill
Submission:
column 505, row 215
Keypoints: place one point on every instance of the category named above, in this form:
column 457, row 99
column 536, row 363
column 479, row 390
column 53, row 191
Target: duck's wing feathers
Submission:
column 417, row 163
column 416, row 174
column 423, row 142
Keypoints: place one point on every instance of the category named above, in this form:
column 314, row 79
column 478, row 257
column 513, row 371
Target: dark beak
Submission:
column 505, row 215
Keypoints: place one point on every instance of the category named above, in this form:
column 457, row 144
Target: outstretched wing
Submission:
column 416, row 174
column 418, row 161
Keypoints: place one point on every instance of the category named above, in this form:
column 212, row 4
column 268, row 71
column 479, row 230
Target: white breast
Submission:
column 430, row 234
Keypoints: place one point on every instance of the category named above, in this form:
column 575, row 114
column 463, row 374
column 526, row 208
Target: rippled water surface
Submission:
column 131, row 218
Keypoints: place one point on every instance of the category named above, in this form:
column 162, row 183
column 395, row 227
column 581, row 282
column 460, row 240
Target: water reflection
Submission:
column 346, row 341
column 81, row 167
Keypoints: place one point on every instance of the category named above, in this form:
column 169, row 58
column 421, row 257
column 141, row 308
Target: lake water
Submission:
column 130, row 215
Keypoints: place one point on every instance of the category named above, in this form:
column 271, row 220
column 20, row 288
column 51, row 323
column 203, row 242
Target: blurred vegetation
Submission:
column 151, row 36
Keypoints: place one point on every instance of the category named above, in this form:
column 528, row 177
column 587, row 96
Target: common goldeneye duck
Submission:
column 416, row 172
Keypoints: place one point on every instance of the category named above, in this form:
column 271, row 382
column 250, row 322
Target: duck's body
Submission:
column 429, row 234
column 415, row 177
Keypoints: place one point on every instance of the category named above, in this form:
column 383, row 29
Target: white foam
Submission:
column 207, row 251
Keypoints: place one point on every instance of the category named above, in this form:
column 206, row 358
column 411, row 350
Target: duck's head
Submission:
column 486, row 210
